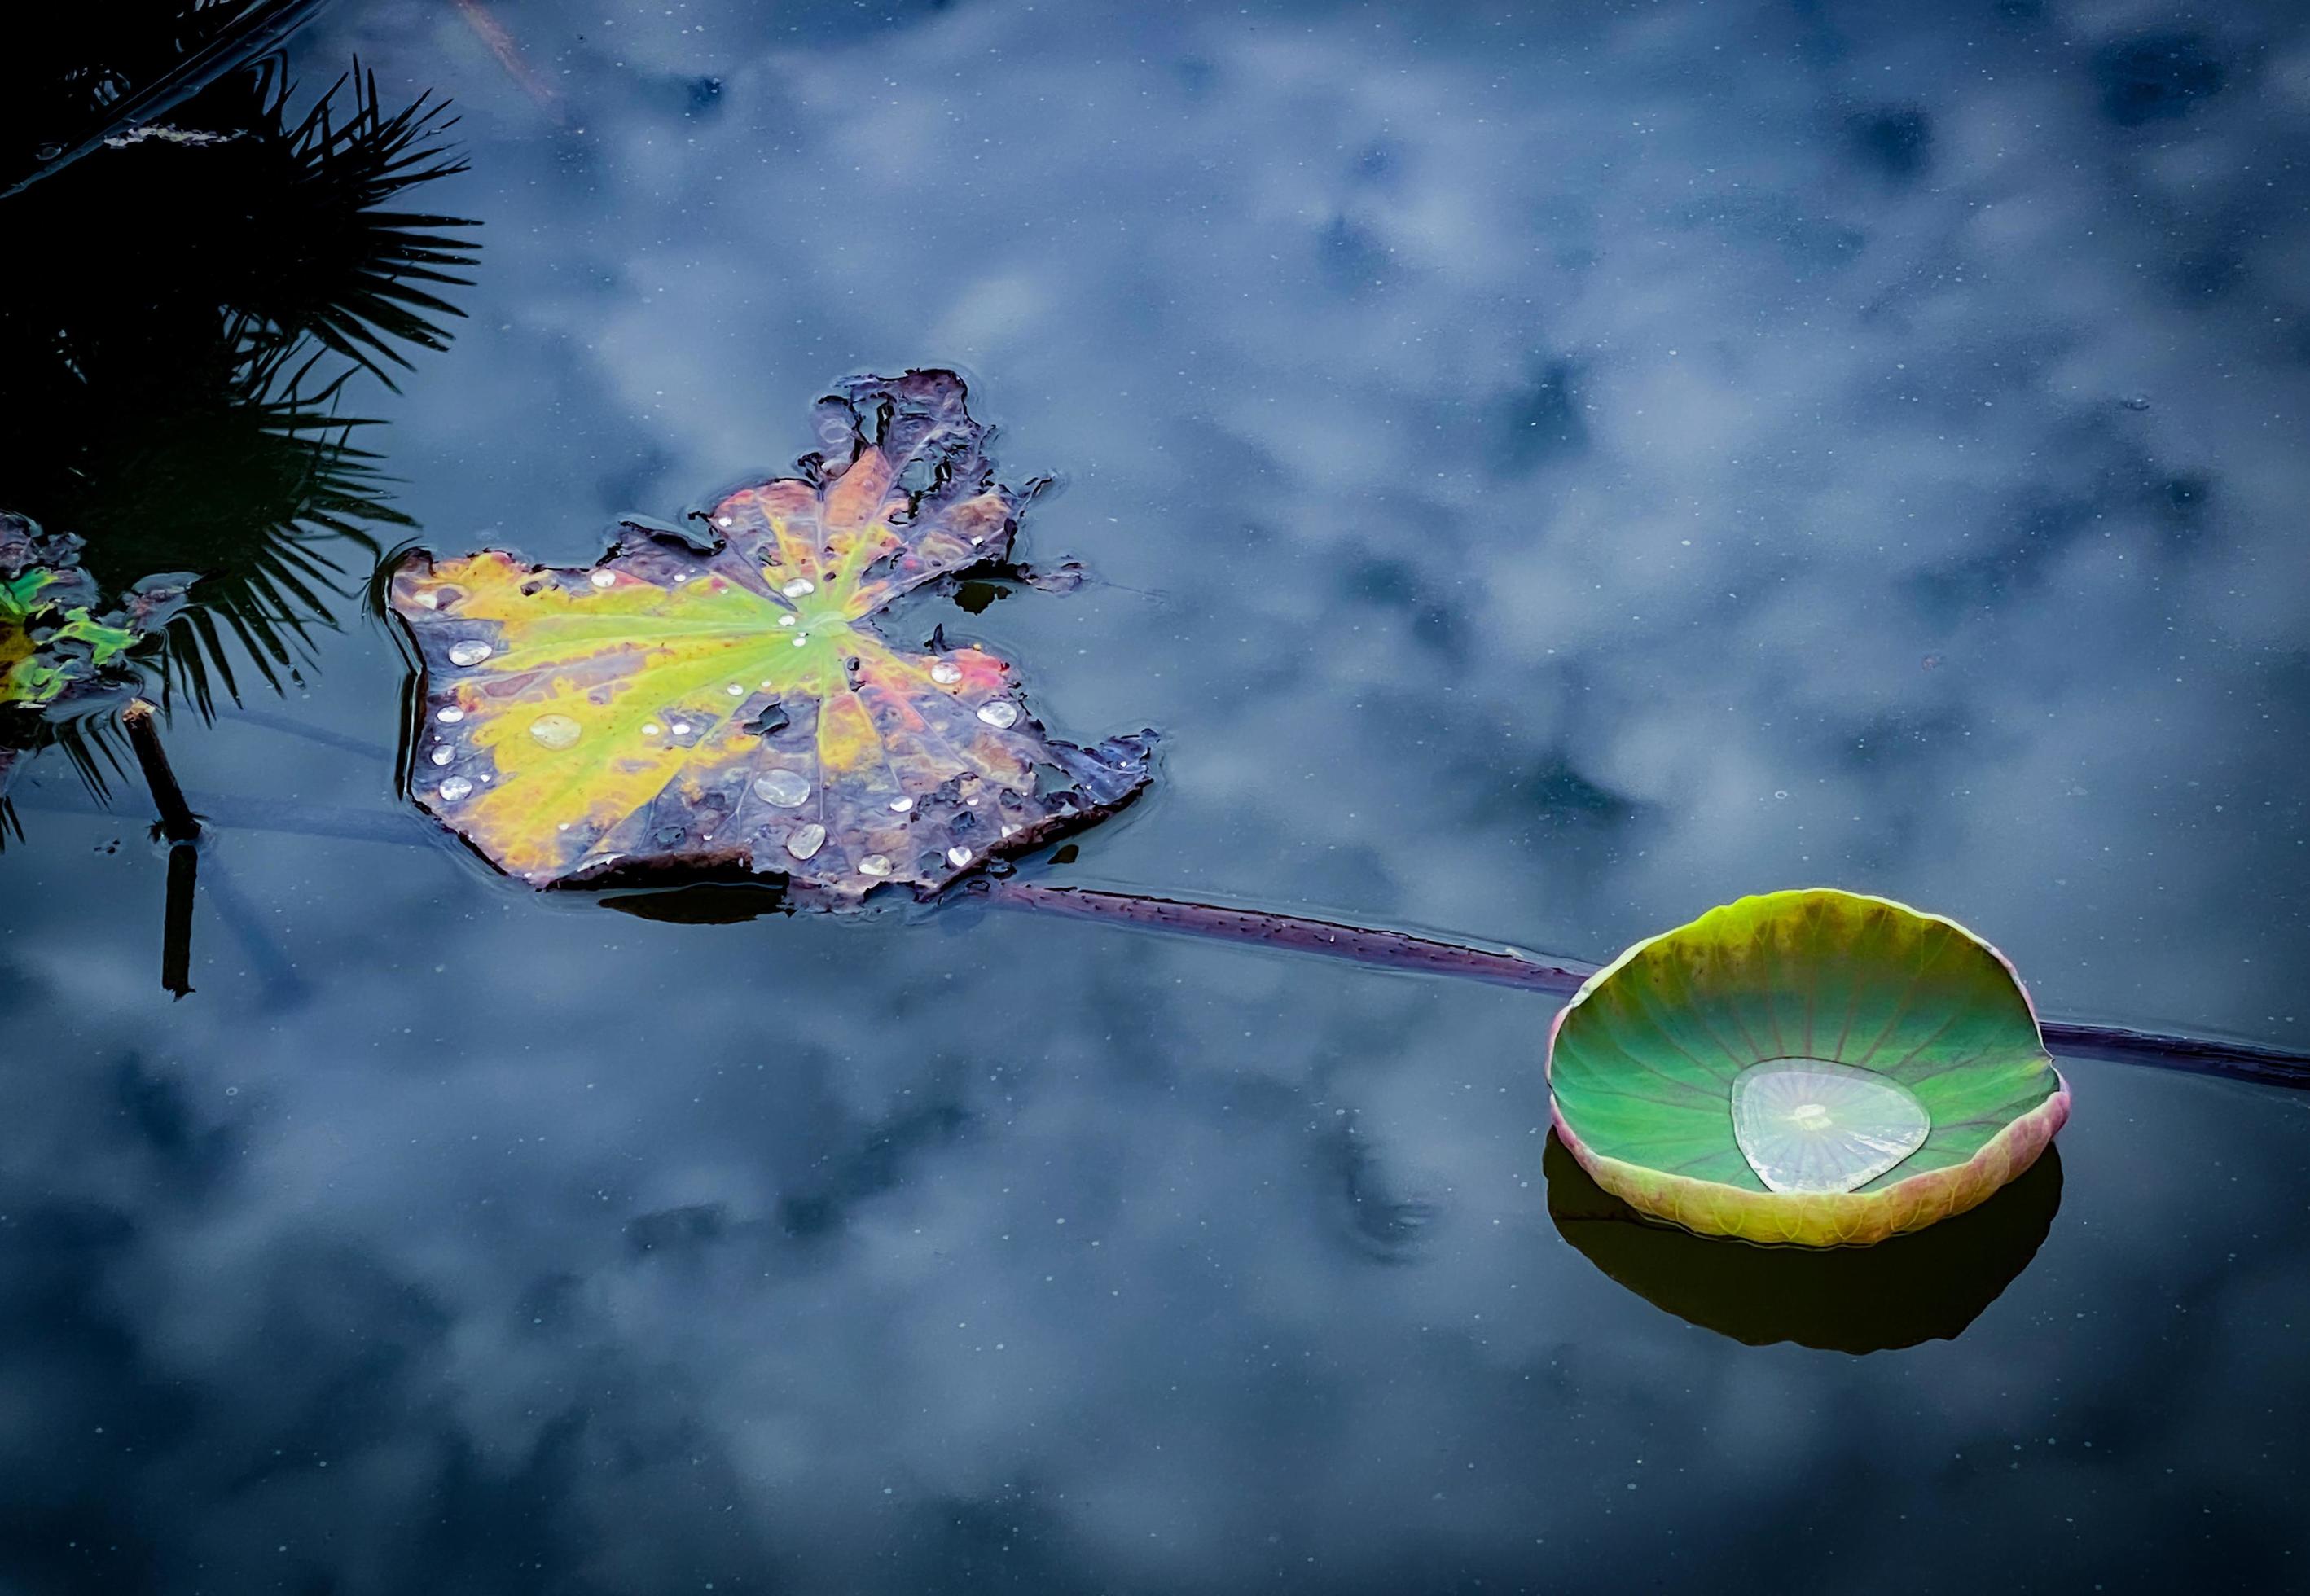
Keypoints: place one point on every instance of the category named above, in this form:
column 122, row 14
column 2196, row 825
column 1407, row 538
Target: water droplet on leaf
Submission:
column 556, row 730
column 957, row 856
column 784, row 788
column 900, row 805
column 457, row 787
column 806, row 840
column 450, row 717
column 472, row 651
column 874, row 865
column 1000, row 713
column 946, row 674
column 798, row 587
column 604, row 579
column 443, row 755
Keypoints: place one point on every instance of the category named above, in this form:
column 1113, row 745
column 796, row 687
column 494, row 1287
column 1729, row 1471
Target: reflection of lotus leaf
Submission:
column 1926, row 1287
column 1815, row 1067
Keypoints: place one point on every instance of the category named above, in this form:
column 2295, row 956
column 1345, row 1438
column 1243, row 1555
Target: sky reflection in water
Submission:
column 1544, row 479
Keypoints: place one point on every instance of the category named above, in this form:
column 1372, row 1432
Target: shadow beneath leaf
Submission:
column 707, row 903
column 1930, row 1286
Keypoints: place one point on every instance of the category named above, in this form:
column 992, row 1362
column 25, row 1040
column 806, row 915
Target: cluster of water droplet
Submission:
column 781, row 787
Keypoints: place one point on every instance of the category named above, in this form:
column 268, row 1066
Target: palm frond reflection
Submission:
column 180, row 402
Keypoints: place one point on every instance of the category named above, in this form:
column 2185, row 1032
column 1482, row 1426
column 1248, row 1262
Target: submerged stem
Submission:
column 177, row 921
column 1403, row 950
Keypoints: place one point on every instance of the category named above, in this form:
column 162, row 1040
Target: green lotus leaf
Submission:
column 49, row 642
column 1814, row 1068
column 53, row 644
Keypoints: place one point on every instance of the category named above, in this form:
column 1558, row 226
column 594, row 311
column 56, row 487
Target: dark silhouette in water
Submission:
column 1929, row 1286
column 175, row 405
column 173, row 396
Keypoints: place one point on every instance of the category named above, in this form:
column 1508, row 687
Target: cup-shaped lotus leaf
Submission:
column 1814, row 1068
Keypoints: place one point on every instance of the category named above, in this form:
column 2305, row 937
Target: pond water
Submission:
column 1543, row 477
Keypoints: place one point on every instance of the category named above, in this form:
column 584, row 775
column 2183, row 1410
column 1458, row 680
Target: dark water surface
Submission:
column 1546, row 475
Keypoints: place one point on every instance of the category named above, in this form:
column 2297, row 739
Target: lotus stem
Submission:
column 1387, row 949
column 177, row 823
column 1508, row 967
column 1358, row 944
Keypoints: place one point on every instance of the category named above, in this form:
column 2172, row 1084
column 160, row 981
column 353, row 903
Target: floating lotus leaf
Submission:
column 49, row 642
column 57, row 654
column 703, row 700
column 1815, row 1067
column 52, row 643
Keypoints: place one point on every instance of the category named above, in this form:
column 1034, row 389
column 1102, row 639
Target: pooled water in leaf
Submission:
column 1807, row 1124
